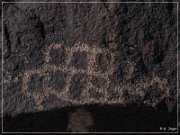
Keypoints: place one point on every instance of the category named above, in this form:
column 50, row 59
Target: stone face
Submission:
column 88, row 53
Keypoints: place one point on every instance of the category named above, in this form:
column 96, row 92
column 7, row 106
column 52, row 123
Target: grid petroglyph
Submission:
column 71, row 71
column 75, row 82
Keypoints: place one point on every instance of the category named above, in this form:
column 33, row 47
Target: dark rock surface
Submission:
column 134, row 48
column 108, row 118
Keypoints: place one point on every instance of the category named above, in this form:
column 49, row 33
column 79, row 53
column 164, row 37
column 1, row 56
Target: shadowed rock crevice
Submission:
column 42, row 28
column 91, row 118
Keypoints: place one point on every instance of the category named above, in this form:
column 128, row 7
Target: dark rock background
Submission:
column 145, row 34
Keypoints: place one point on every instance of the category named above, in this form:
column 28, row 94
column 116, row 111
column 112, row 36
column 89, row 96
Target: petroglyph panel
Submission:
column 84, row 74
column 70, row 74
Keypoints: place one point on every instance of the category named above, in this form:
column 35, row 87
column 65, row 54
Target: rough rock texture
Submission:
column 58, row 55
column 80, row 121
